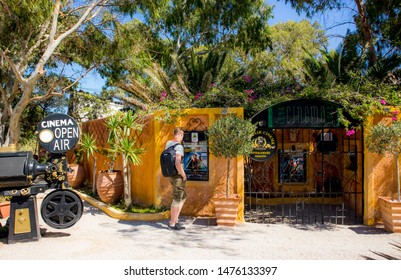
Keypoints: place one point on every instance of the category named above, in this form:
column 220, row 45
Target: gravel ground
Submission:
column 98, row 237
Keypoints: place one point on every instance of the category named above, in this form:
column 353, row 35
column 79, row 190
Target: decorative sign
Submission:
column 301, row 113
column 304, row 113
column 264, row 145
column 58, row 133
column 196, row 156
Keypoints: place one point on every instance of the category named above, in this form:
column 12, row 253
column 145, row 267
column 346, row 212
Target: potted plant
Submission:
column 76, row 176
column 5, row 206
column 385, row 139
column 88, row 147
column 229, row 137
column 113, row 183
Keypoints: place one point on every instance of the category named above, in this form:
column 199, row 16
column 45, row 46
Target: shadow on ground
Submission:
column 397, row 246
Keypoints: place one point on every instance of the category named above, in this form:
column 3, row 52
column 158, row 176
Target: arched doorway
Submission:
column 310, row 172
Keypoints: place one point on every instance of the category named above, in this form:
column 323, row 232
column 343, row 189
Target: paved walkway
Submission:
column 99, row 237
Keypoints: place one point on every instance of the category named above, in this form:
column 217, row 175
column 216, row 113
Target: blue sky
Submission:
column 332, row 22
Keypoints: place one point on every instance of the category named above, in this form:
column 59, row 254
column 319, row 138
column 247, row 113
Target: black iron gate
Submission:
column 316, row 176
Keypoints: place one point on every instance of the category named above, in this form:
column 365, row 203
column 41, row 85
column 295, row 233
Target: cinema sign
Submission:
column 58, row 133
column 300, row 113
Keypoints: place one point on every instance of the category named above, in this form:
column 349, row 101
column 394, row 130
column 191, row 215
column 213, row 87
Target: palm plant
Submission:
column 122, row 141
column 89, row 148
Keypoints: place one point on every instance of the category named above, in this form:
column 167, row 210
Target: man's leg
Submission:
column 174, row 212
column 179, row 196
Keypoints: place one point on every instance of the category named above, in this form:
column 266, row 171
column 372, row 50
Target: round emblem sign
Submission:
column 58, row 133
column 264, row 145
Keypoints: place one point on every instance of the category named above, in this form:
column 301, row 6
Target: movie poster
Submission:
column 196, row 158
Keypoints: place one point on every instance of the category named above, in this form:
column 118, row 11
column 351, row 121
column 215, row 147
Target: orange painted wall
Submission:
column 379, row 177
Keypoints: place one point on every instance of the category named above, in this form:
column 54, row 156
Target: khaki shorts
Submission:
column 179, row 190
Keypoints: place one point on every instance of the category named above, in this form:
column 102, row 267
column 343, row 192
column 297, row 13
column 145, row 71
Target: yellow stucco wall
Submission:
column 379, row 176
column 148, row 185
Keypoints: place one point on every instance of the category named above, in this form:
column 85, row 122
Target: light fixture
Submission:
column 46, row 136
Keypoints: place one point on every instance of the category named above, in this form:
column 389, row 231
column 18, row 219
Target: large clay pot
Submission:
column 77, row 176
column 110, row 186
column 5, row 209
column 226, row 209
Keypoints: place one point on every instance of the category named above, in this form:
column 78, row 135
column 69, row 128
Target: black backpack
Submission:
column 167, row 162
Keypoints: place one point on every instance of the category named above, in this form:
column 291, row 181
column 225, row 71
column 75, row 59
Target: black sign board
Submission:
column 301, row 113
column 264, row 145
column 58, row 133
column 304, row 113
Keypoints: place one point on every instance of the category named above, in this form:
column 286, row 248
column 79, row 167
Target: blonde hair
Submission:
column 178, row 130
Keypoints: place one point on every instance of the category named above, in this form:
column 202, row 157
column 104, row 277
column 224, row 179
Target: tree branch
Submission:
column 46, row 96
column 78, row 79
column 53, row 29
column 14, row 67
column 53, row 43
column 36, row 45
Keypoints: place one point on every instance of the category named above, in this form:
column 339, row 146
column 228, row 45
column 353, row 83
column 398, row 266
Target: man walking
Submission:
column 178, row 181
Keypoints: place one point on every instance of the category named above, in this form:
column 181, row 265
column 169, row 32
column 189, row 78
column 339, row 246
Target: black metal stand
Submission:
column 23, row 221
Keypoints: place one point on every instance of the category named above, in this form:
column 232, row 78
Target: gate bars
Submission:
column 316, row 177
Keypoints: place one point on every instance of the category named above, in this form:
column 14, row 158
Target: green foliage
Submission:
column 5, row 198
column 231, row 136
column 18, row 19
column 220, row 97
column 29, row 144
column 385, row 139
column 139, row 209
column 120, row 126
column 88, row 145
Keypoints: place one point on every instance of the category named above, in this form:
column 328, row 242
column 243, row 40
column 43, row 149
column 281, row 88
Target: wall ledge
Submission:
column 117, row 214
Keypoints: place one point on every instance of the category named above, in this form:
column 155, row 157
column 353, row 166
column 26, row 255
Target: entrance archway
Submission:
column 312, row 173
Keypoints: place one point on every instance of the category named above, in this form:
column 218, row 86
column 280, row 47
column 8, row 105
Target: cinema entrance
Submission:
column 305, row 167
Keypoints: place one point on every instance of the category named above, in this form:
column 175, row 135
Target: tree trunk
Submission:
column 127, row 185
column 94, row 176
column 397, row 163
column 14, row 128
column 228, row 177
column 367, row 32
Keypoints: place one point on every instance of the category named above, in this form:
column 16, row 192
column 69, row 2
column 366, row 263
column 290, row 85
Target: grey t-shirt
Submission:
column 179, row 149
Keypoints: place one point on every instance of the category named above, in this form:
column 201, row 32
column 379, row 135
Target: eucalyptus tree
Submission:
column 34, row 45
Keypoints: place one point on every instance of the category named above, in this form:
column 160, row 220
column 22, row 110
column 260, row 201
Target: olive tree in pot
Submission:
column 229, row 137
column 385, row 139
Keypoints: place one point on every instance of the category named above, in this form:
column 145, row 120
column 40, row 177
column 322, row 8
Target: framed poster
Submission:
column 292, row 167
column 196, row 156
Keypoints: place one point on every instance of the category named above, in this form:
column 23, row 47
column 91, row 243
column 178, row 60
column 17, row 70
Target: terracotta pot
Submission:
column 5, row 209
column 226, row 209
column 110, row 186
column 391, row 214
column 77, row 177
